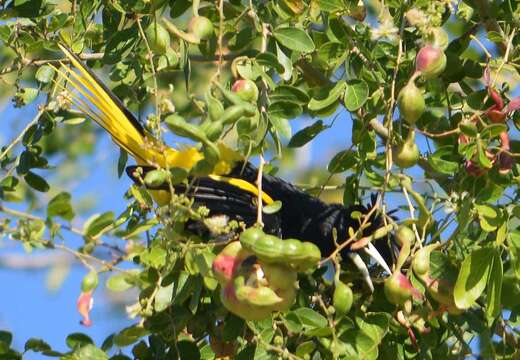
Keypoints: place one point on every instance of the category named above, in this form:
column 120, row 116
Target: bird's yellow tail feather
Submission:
column 96, row 101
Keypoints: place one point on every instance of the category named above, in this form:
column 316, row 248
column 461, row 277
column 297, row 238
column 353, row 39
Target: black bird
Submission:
column 231, row 189
column 302, row 216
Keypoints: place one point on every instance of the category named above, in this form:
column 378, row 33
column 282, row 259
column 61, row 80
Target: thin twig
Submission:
column 439, row 135
column 40, row 62
column 263, row 109
column 354, row 237
column 220, row 35
column 154, row 75
column 390, row 112
column 22, row 134
column 505, row 59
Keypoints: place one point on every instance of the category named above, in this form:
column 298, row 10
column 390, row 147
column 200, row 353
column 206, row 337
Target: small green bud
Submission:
column 90, row 281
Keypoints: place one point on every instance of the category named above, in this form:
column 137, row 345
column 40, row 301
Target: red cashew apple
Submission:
column 430, row 61
column 84, row 305
column 398, row 289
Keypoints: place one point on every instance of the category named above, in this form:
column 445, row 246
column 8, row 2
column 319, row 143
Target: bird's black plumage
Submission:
column 302, row 215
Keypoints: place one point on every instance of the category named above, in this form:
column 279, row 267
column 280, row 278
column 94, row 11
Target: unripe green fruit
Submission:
column 257, row 297
column 201, row 27
column 288, row 296
column 246, row 89
column 407, row 154
column 155, row 178
column 421, row 260
column 430, row 61
column 250, row 236
column 342, row 298
column 215, row 109
column 278, row 340
column 214, row 130
column 279, row 276
column 411, row 103
column 90, row 281
column 404, row 235
column 158, row 38
column 235, row 112
column 325, row 342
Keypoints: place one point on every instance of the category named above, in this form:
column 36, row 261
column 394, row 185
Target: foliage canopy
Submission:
column 429, row 90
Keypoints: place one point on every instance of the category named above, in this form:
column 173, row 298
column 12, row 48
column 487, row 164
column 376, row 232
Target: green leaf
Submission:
column 493, row 130
column 163, row 298
column 90, row 352
column 342, row 161
column 26, row 96
column 331, row 54
column 468, row 129
column 6, row 337
column 195, row 295
column 121, row 162
column 305, row 348
column 290, row 94
column 350, row 193
column 331, row 5
column 282, row 126
column 501, row 233
column 284, row 110
column 187, row 350
column 186, row 284
column 120, row 282
column 366, row 347
column 97, row 224
column 44, row 74
column 306, row 134
column 60, row 206
column 233, row 328
column 77, row 340
column 130, row 335
column 155, row 257
column 495, row 37
column 310, row 318
column 36, row 182
column 270, row 60
column 294, row 39
column 513, row 241
column 442, row 268
column 134, row 231
column 292, row 322
column 489, row 217
column 272, row 208
column 286, row 63
column 473, row 277
column 356, row 94
column 375, row 325
column 327, row 99
column 36, row 345
column 494, row 286
column 120, row 45
column 440, row 163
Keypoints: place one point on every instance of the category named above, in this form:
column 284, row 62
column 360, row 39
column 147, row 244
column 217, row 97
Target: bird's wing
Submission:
column 221, row 196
